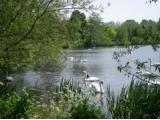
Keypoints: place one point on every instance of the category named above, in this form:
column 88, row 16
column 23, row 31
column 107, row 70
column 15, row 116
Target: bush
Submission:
column 86, row 111
column 59, row 102
column 67, row 101
column 13, row 106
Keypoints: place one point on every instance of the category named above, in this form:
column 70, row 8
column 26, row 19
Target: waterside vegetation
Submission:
column 35, row 31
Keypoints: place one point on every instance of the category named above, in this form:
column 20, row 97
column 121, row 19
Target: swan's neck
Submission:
column 150, row 63
column 86, row 75
column 100, row 84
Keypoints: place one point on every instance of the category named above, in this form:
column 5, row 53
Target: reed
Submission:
column 66, row 101
column 136, row 101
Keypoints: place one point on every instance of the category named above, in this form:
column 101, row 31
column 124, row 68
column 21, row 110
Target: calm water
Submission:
column 100, row 64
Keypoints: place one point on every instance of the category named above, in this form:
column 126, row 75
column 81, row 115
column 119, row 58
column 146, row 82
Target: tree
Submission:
column 150, row 28
column 158, row 25
column 127, row 30
column 77, row 28
column 96, row 31
column 153, row 1
column 110, row 34
column 31, row 31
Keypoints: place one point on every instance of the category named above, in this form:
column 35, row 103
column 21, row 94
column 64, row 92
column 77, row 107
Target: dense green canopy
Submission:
column 31, row 31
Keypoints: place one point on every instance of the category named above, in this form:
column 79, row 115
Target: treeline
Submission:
column 131, row 32
column 92, row 32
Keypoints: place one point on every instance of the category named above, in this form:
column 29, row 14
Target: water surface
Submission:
column 100, row 64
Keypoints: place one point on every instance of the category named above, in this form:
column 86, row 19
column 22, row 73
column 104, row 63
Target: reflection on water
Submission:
column 99, row 63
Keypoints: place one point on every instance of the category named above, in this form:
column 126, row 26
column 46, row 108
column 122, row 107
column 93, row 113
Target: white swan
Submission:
column 71, row 58
column 97, row 86
column 1, row 83
column 156, row 64
column 84, row 60
column 147, row 74
column 156, row 82
column 9, row 78
column 148, row 77
column 95, row 83
column 143, row 73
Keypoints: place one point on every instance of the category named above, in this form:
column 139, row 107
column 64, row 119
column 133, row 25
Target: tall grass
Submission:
column 136, row 101
column 67, row 101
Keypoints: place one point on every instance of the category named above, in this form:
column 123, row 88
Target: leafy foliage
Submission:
column 13, row 105
column 89, row 33
column 33, row 31
column 67, row 101
column 93, row 32
column 86, row 111
column 26, row 36
column 136, row 101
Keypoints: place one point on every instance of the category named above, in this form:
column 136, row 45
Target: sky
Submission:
column 121, row 10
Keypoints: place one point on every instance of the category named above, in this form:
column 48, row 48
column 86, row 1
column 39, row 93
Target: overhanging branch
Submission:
column 29, row 31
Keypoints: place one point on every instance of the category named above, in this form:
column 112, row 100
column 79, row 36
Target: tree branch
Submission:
column 30, row 30
column 17, row 13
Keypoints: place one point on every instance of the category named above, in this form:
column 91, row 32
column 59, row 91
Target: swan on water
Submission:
column 156, row 82
column 143, row 73
column 150, row 76
column 9, row 78
column 71, row 58
column 1, row 83
column 95, row 83
column 97, row 86
column 147, row 74
column 84, row 60
column 156, row 64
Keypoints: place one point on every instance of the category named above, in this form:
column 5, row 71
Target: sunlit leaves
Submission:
column 31, row 33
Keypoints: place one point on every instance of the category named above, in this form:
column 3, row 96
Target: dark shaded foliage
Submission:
column 86, row 111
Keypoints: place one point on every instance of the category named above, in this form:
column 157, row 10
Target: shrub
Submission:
column 59, row 102
column 85, row 110
column 67, row 101
column 13, row 105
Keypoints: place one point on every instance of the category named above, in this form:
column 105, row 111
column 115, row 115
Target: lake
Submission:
column 100, row 63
